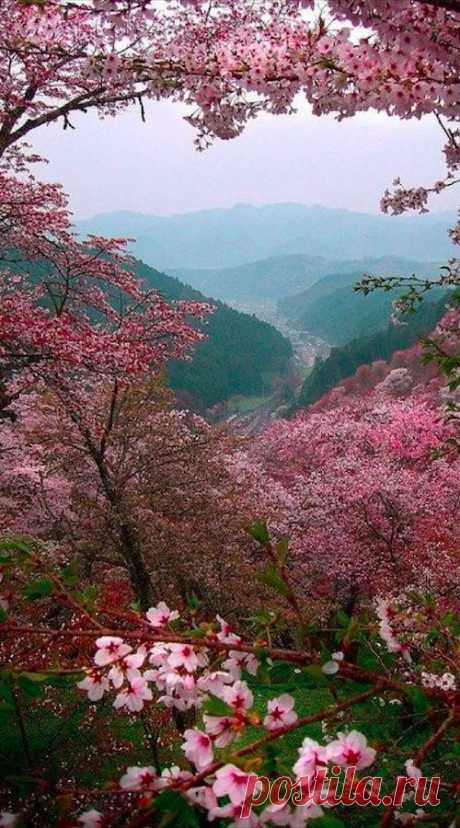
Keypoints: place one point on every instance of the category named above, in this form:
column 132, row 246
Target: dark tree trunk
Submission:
column 139, row 576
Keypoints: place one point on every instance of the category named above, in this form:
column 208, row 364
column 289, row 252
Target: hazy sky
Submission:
column 123, row 163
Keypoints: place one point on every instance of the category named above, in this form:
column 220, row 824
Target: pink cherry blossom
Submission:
column 233, row 811
column 139, row 779
column 158, row 654
column 110, row 649
column 203, row 796
column 133, row 696
column 232, row 782
column 296, row 817
column 215, row 682
column 223, row 729
column 127, row 668
column 350, row 749
column 8, row 819
column 226, row 633
column 90, row 819
column 161, row 615
column 172, row 774
column 95, row 683
column 386, row 632
column 238, row 696
column 311, row 755
column 238, row 661
column 280, row 712
column 198, row 748
column 412, row 770
column 183, row 655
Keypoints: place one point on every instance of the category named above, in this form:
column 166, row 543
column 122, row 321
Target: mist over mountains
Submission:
column 229, row 238
column 284, row 278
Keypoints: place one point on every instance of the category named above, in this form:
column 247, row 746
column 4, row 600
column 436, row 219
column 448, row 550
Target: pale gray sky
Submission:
column 123, row 163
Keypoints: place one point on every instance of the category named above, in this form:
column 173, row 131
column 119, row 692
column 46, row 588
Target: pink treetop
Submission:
column 104, row 55
column 357, row 492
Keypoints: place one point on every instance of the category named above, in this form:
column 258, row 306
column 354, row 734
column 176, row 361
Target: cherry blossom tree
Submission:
column 69, row 306
column 101, row 55
column 357, row 492
column 116, row 476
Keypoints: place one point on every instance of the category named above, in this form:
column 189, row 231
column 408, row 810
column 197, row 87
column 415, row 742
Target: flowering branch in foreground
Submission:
column 214, row 675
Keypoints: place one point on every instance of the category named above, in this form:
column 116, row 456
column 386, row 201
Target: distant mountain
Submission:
column 241, row 356
column 331, row 309
column 344, row 361
column 223, row 238
column 291, row 276
column 265, row 278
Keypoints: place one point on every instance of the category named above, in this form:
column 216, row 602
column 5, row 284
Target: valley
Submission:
column 280, row 303
column 306, row 347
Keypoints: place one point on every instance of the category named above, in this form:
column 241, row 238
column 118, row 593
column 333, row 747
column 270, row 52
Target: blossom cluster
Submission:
column 183, row 676
column 177, row 670
column 406, row 625
column 385, row 614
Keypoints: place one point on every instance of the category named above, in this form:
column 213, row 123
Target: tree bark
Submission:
column 139, row 576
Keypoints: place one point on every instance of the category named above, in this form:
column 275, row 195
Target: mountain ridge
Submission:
column 232, row 237
column 283, row 277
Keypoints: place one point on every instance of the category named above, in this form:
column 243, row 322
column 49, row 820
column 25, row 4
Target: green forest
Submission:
column 343, row 361
column 241, row 355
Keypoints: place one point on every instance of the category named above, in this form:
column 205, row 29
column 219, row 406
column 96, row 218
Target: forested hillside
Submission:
column 241, row 355
column 342, row 362
column 333, row 310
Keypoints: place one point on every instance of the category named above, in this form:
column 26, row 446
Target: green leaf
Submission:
column 3, row 615
column 38, row 677
column 32, row 689
column 262, row 654
column 262, row 618
column 329, row 821
column 193, row 602
column 419, row 700
column 312, row 676
column 71, row 573
column 176, row 810
column 282, row 673
column 342, row 618
column 6, row 710
column 271, row 578
column 259, row 532
column 352, row 630
column 217, row 707
column 282, row 550
column 6, row 692
column 40, row 588
column 88, row 596
column 13, row 544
